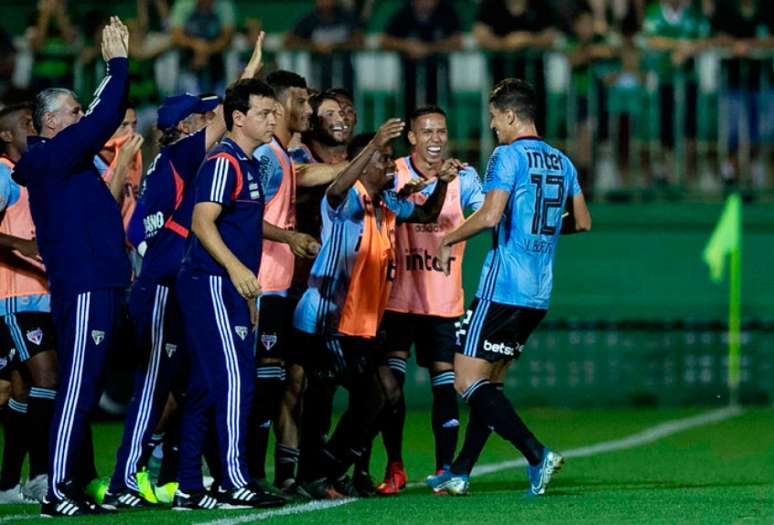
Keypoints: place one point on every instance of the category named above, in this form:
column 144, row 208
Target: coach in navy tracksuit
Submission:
column 164, row 210
column 81, row 240
column 217, row 286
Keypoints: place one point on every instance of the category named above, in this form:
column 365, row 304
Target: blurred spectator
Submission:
column 584, row 47
column 627, row 99
column 676, row 32
column 421, row 30
column 621, row 17
column 517, row 25
column 202, row 30
column 52, row 39
column 327, row 28
column 153, row 15
column 742, row 27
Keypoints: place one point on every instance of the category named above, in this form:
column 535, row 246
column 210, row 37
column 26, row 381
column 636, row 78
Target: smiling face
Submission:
column 350, row 116
column 330, row 126
column 429, row 137
column 503, row 123
column 380, row 172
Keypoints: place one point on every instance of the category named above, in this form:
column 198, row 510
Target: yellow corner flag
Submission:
column 725, row 239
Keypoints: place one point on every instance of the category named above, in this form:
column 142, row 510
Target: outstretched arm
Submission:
column 338, row 190
column 488, row 216
column 86, row 137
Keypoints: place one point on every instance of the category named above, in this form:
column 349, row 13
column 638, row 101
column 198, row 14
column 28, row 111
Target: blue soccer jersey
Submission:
column 539, row 178
column 319, row 310
column 230, row 178
column 166, row 203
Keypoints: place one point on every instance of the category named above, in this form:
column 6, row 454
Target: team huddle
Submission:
column 282, row 258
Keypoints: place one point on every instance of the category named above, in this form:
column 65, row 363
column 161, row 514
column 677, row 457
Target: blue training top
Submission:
column 518, row 270
column 240, row 223
column 165, row 206
column 77, row 222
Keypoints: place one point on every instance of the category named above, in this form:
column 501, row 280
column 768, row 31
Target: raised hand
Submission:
column 255, row 63
column 413, row 186
column 115, row 40
column 450, row 169
column 388, row 131
column 128, row 151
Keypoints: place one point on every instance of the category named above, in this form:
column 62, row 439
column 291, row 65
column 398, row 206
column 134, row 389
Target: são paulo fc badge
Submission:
column 268, row 340
column 241, row 332
column 97, row 336
column 170, row 349
column 35, row 336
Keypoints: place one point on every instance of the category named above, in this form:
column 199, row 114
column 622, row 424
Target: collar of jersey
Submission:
column 233, row 146
column 528, row 137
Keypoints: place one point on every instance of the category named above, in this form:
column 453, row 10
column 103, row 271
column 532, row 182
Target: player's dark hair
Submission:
column 13, row 108
column 339, row 92
column 282, row 80
column 358, row 143
column 425, row 110
column 517, row 95
column 238, row 97
column 317, row 99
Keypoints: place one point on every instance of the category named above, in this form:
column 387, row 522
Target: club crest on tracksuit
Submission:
column 98, row 336
column 35, row 336
column 170, row 349
column 241, row 332
column 268, row 340
column 3, row 362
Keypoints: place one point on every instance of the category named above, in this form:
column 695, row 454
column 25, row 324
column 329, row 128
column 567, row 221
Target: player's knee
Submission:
column 461, row 383
column 5, row 392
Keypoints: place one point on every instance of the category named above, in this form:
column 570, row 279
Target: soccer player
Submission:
column 27, row 327
column 425, row 303
column 528, row 183
column 325, row 143
column 189, row 129
column 81, row 239
column 348, row 290
column 280, row 247
column 218, row 284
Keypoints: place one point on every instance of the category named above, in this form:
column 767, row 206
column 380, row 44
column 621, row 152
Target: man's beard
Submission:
column 322, row 136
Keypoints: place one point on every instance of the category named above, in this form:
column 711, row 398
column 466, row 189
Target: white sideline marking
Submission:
column 286, row 511
column 643, row 437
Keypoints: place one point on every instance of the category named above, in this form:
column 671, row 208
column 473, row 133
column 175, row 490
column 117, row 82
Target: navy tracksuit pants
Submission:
column 220, row 340
column 156, row 318
column 85, row 323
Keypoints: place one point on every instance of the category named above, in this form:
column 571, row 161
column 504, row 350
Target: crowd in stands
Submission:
column 186, row 45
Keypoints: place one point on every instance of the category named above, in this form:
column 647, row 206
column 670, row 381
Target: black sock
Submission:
column 495, row 411
column 268, row 392
column 15, row 445
column 39, row 415
column 285, row 461
column 318, row 403
column 393, row 417
column 476, row 435
column 446, row 418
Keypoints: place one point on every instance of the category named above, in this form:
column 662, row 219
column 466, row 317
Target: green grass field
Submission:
column 716, row 472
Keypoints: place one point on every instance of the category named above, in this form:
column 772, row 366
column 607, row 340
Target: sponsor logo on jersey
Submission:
column 502, row 348
column 170, row 349
column 35, row 336
column 153, row 223
column 241, row 331
column 98, row 336
column 423, row 261
column 268, row 340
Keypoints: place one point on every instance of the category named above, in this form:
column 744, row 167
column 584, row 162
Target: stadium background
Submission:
column 635, row 318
